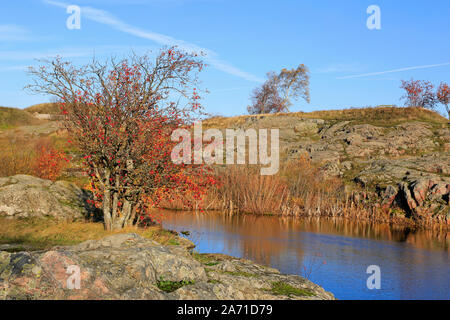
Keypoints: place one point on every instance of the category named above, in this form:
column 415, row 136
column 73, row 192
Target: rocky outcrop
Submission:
column 418, row 185
column 401, row 155
column 127, row 266
column 27, row 196
column 47, row 116
column 365, row 141
column 424, row 198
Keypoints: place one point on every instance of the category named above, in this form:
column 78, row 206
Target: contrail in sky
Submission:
column 104, row 17
column 395, row 70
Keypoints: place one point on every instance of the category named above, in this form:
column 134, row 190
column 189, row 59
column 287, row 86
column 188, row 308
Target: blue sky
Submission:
column 244, row 39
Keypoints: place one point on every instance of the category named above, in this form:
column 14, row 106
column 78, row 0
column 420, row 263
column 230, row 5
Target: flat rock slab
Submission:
column 127, row 266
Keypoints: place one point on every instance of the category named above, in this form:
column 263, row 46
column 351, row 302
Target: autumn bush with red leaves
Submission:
column 49, row 162
column 121, row 116
column 443, row 95
column 419, row 94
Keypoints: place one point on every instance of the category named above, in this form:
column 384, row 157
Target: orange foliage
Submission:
column 49, row 161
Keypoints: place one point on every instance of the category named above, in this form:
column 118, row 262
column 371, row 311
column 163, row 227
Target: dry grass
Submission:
column 380, row 115
column 240, row 189
column 22, row 156
column 40, row 233
column 310, row 190
column 16, row 157
column 314, row 194
column 244, row 189
column 300, row 189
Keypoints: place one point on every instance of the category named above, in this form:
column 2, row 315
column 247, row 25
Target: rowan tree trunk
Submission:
column 107, row 217
column 120, row 221
column 130, row 221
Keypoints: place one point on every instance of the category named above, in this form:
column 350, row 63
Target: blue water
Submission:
column 335, row 255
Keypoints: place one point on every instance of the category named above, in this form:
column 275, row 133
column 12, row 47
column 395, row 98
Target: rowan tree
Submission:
column 275, row 94
column 419, row 94
column 443, row 96
column 121, row 114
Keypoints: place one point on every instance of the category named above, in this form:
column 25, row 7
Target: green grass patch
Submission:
column 283, row 289
column 214, row 281
column 210, row 264
column 240, row 273
column 173, row 242
column 170, row 286
column 205, row 259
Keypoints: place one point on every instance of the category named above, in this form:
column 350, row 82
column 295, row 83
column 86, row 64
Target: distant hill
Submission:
column 44, row 108
column 12, row 117
column 379, row 116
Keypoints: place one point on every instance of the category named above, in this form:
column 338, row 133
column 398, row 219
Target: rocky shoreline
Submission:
column 128, row 266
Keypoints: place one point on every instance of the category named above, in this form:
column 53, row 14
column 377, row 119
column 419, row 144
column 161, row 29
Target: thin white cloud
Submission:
column 231, row 89
column 144, row 2
column 31, row 55
column 13, row 68
column 125, row 2
column 104, row 17
column 339, row 68
column 10, row 32
column 67, row 52
column 395, row 70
